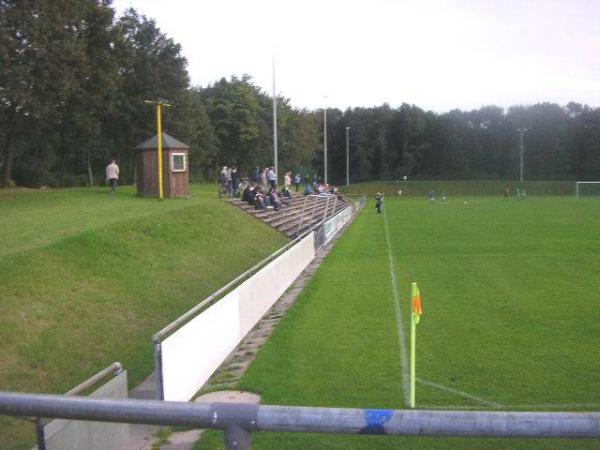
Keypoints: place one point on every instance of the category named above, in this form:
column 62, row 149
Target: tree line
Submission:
column 74, row 77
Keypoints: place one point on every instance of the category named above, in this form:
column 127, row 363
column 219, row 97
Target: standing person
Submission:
column 235, row 181
column 223, row 182
column 228, row 187
column 112, row 175
column 379, row 202
column 272, row 177
column 287, row 180
column 254, row 176
column 297, row 181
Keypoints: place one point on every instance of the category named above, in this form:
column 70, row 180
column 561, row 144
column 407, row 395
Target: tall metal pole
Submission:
column 347, row 156
column 325, row 139
column 160, row 155
column 521, row 131
column 275, row 162
column 159, row 104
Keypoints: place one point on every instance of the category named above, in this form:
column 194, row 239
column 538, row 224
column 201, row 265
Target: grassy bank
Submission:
column 86, row 278
column 418, row 188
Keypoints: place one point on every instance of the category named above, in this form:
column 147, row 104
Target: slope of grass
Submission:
column 511, row 316
column 32, row 219
column 93, row 276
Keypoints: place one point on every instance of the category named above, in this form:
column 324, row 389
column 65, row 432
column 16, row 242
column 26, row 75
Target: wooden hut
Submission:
column 176, row 172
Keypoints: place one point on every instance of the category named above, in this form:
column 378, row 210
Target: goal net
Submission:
column 587, row 189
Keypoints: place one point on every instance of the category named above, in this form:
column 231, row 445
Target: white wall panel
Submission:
column 260, row 292
column 197, row 349
column 192, row 354
column 333, row 225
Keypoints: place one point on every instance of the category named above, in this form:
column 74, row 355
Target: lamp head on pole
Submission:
column 160, row 102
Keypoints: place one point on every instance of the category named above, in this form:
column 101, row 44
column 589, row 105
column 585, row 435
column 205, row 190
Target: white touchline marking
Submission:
column 401, row 335
column 441, row 387
column 520, row 406
column 554, row 405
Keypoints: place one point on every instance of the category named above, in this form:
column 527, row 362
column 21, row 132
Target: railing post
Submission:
column 237, row 438
column 312, row 214
column 158, row 367
column 334, row 206
column 301, row 216
column 326, row 208
column 41, row 436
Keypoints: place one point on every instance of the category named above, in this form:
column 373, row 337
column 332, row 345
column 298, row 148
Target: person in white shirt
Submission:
column 272, row 177
column 112, row 175
column 287, row 179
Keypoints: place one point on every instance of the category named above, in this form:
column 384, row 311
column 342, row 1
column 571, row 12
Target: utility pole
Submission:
column 158, row 104
column 325, row 139
column 275, row 162
column 347, row 156
column 521, row 132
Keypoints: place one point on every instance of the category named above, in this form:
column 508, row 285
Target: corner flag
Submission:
column 415, row 317
column 417, row 308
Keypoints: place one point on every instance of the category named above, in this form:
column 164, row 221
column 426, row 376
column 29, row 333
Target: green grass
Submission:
column 454, row 188
column 86, row 278
column 511, row 315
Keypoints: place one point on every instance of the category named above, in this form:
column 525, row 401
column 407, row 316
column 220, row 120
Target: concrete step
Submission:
column 287, row 218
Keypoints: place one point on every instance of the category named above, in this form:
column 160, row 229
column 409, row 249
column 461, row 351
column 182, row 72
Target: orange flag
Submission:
column 417, row 308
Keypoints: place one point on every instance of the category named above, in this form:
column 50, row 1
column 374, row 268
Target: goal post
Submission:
column 580, row 188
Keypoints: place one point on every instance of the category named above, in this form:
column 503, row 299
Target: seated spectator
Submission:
column 259, row 201
column 308, row 189
column 276, row 199
column 249, row 193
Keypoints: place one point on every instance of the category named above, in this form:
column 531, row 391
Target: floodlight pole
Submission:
column 275, row 162
column 521, row 132
column 159, row 136
column 347, row 156
column 325, row 140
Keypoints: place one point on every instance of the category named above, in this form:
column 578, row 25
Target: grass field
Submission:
column 463, row 188
column 86, row 278
column 511, row 322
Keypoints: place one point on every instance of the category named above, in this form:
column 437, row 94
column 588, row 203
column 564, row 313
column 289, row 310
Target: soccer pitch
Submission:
column 511, row 319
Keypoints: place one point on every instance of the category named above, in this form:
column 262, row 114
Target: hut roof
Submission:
column 168, row 141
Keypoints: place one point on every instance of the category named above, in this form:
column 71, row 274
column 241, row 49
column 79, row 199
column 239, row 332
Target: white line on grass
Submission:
column 401, row 335
column 554, row 405
column 441, row 387
column 519, row 406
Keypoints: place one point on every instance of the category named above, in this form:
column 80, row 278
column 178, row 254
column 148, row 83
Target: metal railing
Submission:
column 239, row 420
column 306, row 221
column 113, row 370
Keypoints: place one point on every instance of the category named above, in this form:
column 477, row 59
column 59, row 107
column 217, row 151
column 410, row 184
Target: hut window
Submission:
column 178, row 162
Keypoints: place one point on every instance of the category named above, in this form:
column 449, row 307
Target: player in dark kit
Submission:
column 379, row 204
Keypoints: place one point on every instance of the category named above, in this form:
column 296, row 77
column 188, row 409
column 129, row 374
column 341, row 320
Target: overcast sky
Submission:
column 437, row 54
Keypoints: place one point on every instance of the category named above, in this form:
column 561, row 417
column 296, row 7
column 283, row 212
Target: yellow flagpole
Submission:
column 160, row 153
column 415, row 317
column 413, row 357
